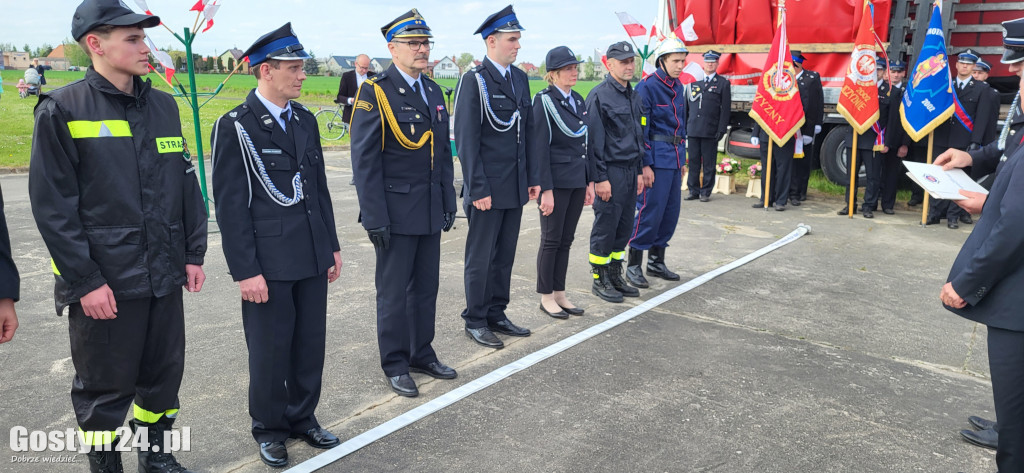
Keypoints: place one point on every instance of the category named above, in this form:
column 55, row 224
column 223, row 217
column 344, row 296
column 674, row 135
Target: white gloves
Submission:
column 755, row 141
column 807, row 140
column 817, row 129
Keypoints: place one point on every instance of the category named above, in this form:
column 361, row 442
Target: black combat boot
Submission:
column 615, row 277
column 156, row 459
column 656, row 265
column 634, row 269
column 602, row 286
column 106, row 460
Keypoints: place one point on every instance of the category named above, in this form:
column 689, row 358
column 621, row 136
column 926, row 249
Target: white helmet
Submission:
column 672, row 44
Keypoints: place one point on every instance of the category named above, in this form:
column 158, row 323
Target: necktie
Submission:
column 508, row 78
column 416, row 88
column 284, row 118
column 572, row 104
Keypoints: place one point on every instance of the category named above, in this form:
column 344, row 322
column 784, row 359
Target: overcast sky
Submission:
column 345, row 27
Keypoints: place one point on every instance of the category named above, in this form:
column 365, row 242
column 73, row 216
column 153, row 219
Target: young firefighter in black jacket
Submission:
column 117, row 202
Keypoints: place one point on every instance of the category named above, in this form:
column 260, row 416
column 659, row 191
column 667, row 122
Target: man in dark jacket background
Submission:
column 9, row 282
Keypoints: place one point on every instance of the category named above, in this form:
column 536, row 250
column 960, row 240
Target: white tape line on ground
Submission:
column 451, row 397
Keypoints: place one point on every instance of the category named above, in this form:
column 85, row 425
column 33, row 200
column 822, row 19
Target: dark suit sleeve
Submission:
column 447, row 166
column 9, row 281
column 985, row 159
column 231, row 193
column 468, row 121
column 1004, row 244
column 538, row 144
column 367, row 163
column 53, row 191
column 324, row 192
column 983, row 119
column 595, row 140
column 723, row 117
column 345, row 88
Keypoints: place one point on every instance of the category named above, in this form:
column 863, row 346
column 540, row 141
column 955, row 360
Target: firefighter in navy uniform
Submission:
column 812, row 97
column 616, row 144
column 872, row 147
column 895, row 137
column 984, row 282
column 664, row 98
column 402, row 164
column 980, row 74
column 116, row 200
column 492, row 106
column 707, row 121
column 280, row 243
column 974, row 98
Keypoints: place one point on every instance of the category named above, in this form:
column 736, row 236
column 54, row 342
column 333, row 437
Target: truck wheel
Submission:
column 835, row 161
column 738, row 144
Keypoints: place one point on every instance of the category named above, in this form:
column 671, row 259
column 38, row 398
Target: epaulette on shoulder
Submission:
column 544, row 91
column 299, row 106
column 376, row 77
column 238, row 111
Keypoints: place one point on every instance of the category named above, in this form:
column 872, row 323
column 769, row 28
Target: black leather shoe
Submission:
column 966, row 218
column 868, row 213
column 794, row 202
column 888, row 211
column 931, row 221
column 403, row 385
column 987, row 438
column 780, row 207
column 435, row 370
column 690, row 197
column 508, row 328
column 914, row 202
column 981, row 423
column 705, row 198
column 573, row 311
column 485, row 337
column 558, row 315
column 759, row 205
column 843, row 211
column 319, row 437
column 274, row 454
column 952, row 225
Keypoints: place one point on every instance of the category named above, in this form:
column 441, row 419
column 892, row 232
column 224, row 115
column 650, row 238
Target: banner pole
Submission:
column 924, row 205
column 852, row 190
column 768, row 174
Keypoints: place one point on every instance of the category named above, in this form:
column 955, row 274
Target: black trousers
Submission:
column 1006, row 364
column 801, row 173
column 140, row 356
column 782, row 163
column 892, row 169
column 407, row 282
column 556, row 234
column 490, row 253
column 702, row 156
column 873, row 169
column 918, row 154
column 613, row 220
column 286, row 341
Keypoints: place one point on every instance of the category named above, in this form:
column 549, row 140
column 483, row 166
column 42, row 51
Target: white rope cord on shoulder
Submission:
column 1006, row 124
column 251, row 161
column 496, row 123
column 552, row 113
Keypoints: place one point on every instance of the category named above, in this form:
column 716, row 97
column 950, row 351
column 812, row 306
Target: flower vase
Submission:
column 754, row 188
column 724, row 184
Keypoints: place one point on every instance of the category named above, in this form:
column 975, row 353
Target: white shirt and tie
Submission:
column 281, row 115
column 415, row 83
column 504, row 71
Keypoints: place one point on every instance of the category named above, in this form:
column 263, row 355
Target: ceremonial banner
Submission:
column 777, row 106
column 928, row 101
column 858, row 101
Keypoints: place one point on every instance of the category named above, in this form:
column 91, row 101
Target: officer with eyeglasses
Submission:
column 404, row 176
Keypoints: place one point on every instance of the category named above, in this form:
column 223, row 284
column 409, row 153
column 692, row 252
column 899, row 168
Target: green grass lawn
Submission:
column 16, row 119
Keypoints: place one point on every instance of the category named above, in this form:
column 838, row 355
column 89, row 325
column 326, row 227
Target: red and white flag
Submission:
column 777, row 106
column 163, row 58
column 692, row 72
column 142, row 4
column 209, row 11
column 198, row 6
column 685, row 30
column 634, row 29
column 858, row 101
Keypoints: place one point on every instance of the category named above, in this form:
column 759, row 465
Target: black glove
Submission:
column 973, row 146
column 380, row 237
column 718, row 137
column 449, row 220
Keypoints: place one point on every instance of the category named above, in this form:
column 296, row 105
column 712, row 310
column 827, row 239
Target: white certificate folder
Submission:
column 942, row 184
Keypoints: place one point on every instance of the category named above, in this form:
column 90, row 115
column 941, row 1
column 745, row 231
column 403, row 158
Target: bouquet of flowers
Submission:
column 727, row 166
column 754, row 171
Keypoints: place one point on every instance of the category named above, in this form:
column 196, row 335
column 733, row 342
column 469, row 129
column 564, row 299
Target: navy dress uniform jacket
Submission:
column 560, row 159
column 664, row 104
column 281, row 243
column 410, row 190
column 813, row 98
column 493, row 164
column 707, row 108
column 977, row 103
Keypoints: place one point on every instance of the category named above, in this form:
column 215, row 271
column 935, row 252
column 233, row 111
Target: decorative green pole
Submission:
column 194, row 103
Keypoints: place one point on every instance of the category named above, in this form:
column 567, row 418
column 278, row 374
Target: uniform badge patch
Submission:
column 363, row 105
column 233, row 114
